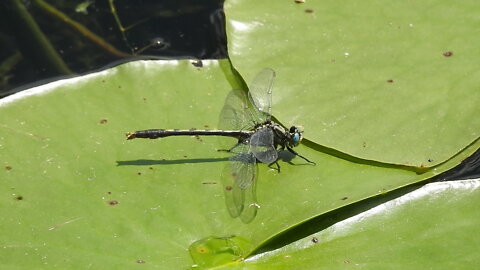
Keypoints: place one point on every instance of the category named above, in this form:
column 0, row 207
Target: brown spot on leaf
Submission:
column 103, row 121
column 448, row 54
column 8, row 168
column 308, row 10
column 113, row 202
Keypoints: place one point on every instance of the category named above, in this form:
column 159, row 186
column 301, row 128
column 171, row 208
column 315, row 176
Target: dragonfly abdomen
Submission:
column 162, row 133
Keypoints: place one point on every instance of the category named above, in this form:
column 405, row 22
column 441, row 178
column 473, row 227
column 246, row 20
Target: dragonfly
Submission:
column 246, row 116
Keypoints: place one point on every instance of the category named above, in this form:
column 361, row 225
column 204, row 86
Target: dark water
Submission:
column 82, row 36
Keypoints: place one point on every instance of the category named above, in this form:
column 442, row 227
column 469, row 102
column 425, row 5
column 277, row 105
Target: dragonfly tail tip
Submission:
column 130, row 135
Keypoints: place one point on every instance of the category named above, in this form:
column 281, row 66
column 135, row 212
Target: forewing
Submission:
column 261, row 145
column 261, row 93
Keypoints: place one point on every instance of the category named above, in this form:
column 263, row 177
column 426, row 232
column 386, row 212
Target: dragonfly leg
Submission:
column 240, row 142
column 297, row 154
column 276, row 163
column 230, row 150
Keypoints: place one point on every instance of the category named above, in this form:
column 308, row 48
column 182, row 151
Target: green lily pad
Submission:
column 76, row 194
column 395, row 82
column 432, row 227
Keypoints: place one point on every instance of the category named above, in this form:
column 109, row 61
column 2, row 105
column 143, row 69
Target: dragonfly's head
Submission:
column 295, row 135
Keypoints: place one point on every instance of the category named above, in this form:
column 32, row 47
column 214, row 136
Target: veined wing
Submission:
column 242, row 109
column 260, row 93
column 237, row 113
column 250, row 205
column 261, row 145
column 239, row 178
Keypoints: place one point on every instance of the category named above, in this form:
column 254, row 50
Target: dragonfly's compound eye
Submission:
column 297, row 137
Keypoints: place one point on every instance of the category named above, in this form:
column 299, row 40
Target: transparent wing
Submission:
column 237, row 113
column 234, row 195
column 261, row 93
column 239, row 177
column 261, row 143
column 250, row 205
column 242, row 110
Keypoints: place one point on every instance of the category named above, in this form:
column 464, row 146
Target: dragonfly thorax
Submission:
column 281, row 136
